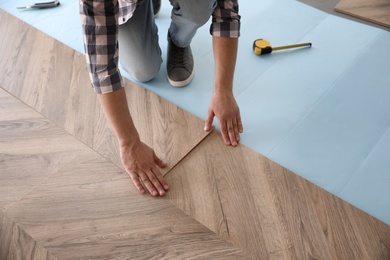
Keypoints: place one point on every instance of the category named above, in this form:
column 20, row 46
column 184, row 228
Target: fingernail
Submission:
column 166, row 187
column 206, row 128
column 154, row 193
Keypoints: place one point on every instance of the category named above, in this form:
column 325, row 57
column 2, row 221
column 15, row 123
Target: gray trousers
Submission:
column 139, row 50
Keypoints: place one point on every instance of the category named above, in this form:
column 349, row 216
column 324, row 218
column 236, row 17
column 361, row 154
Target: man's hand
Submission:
column 139, row 160
column 223, row 105
column 142, row 164
column 225, row 108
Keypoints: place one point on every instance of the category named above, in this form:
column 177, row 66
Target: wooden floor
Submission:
column 376, row 11
column 64, row 194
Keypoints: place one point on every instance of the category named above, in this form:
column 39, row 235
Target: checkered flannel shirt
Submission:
column 100, row 20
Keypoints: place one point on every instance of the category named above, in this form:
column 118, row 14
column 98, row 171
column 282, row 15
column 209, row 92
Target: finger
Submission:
column 148, row 184
column 160, row 178
column 158, row 161
column 224, row 131
column 236, row 132
column 209, row 120
column 154, row 179
column 137, row 183
column 239, row 123
column 231, row 133
column 157, row 171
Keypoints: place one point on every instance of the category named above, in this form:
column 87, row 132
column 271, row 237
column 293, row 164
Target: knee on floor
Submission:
column 143, row 74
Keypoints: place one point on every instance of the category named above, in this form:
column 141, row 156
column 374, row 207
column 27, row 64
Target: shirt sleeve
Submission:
column 100, row 30
column 225, row 19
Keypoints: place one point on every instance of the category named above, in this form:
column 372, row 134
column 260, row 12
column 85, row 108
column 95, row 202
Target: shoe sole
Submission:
column 179, row 84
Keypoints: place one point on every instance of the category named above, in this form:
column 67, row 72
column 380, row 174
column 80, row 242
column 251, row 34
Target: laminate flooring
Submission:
column 376, row 11
column 62, row 200
column 64, row 195
column 270, row 212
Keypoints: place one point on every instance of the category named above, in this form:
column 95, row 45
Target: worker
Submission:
column 128, row 28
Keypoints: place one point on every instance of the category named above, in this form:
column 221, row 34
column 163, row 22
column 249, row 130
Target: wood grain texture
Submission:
column 110, row 220
column 65, row 201
column 31, row 149
column 376, row 11
column 16, row 244
column 270, row 212
column 52, row 78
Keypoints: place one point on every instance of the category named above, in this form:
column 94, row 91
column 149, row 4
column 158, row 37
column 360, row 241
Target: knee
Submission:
column 143, row 73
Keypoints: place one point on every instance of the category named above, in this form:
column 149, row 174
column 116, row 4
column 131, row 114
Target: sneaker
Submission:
column 180, row 65
column 156, row 7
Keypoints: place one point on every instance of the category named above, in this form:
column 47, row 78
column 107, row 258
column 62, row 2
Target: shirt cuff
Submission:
column 107, row 84
column 230, row 29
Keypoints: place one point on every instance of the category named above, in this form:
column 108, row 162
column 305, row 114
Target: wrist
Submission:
column 130, row 140
column 223, row 88
column 223, row 84
column 219, row 91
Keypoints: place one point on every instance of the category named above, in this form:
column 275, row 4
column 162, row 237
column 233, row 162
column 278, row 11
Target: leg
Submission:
column 187, row 17
column 139, row 51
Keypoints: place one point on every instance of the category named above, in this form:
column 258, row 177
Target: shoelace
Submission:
column 178, row 58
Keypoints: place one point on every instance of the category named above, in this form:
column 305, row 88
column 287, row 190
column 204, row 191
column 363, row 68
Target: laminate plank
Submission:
column 270, row 212
column 31, row 149
column 335, row 218
column 11, row 239
column 351, row 226
column 376, row 11
column 52, row 78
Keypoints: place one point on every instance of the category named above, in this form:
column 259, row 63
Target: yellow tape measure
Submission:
column 261, row 47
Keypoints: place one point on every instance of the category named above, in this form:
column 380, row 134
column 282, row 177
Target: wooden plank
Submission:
column 17, row 244
column 52, row 78
column 270, row 212
column 376, row 11
column 31, row 149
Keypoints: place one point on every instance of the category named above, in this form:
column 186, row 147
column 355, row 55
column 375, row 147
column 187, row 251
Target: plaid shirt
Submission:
column 100, row 20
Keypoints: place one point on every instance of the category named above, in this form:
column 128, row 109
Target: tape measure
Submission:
column 262, row 47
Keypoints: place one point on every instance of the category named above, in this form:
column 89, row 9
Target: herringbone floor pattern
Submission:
column 64, row 195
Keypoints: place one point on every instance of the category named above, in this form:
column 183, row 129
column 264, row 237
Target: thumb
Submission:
column 158, row 161
column 209, row 120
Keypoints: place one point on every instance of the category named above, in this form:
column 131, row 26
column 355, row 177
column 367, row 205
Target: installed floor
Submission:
column 64, row 196
column 62, row 200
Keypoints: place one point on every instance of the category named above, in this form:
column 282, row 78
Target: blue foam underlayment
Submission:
column 322, row 112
